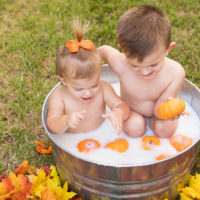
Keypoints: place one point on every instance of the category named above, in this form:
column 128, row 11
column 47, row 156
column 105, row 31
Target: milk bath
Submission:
column 189, row 125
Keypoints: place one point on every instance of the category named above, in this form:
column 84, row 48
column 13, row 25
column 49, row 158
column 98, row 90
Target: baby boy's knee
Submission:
column 165, row 130
column 135, row 126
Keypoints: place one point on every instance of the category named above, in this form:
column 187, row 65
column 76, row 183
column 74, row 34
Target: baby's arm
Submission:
column 173, row 88
column 119, row 110
column 111, row 56
column 57, row 120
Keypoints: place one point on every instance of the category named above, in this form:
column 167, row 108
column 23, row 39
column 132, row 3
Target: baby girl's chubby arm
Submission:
column 57, row 121
column 119, row 109
column 173, row 88
column 113, row 57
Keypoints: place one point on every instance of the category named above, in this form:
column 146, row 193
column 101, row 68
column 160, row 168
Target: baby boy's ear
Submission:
column 171, row 46
column 62, row 80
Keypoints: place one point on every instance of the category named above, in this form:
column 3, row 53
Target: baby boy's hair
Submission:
column 81, row 64
column 141, row 29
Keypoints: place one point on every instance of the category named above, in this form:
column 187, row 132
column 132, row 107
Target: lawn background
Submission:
column 31, row 32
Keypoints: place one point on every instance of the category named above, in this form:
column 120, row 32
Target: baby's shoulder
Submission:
column 57, row 93
column 174, row 67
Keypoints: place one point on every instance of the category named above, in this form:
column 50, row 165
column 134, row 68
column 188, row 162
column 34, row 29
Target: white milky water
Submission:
column 189, row 125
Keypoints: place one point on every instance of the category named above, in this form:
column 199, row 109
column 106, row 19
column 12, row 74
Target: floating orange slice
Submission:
column 120, row 145
column 162, row 157
column 147, row 141
column 88, row 145
column 180, row 142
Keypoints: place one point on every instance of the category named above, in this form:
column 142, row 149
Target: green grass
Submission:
column 31, row 32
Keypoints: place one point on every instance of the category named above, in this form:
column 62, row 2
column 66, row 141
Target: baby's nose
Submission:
column 87, row 93
column 146, row 71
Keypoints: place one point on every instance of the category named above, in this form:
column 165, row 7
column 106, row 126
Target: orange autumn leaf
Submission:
column 47, row 194
column 23, row 167
column 14, row 187
column 88, row 145
column 40, row 148
column 180, row 142
column 5, row 188
column 147, row 141
column 21, row 186
column 120, row 145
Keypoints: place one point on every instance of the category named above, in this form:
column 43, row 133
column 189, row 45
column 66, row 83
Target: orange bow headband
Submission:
column 73, row 45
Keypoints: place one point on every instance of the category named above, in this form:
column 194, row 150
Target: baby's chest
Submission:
column 95, row 107
column 144, row 90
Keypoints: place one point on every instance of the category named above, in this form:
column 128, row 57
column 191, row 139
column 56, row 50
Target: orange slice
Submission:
column 120, row 145
column 180, row 142
column 147, row 142
column 88, row 145
column 162, row 157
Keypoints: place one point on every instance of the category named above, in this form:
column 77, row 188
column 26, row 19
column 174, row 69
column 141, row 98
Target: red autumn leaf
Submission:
column 23, row 167
column 46, row 169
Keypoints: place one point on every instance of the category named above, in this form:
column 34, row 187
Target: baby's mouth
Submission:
column 86, row 98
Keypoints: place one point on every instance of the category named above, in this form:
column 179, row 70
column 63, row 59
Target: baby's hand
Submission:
column 116, row 119
column 73, row 119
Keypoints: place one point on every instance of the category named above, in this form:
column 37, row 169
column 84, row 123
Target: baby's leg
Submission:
column 135, row 125
column 163, row 128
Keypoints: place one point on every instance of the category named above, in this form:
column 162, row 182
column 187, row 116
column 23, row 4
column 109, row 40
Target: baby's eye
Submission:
column 154, row 65
column 95, row 86
column 78, row 89
column 135, row 67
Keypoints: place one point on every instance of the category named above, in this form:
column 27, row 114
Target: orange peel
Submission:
column 180, row 142
column 88, row 145
column 162, row 157
column 40, row 148
column 120, row 145
column 148, row 140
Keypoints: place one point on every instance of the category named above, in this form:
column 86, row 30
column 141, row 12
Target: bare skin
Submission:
column 80, row 105
column 144, row 85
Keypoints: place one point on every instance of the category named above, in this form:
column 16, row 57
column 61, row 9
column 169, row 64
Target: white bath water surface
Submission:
column 189, row 125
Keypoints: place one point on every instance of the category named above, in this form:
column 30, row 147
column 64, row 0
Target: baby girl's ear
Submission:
column 170, row 47
column 62, row 80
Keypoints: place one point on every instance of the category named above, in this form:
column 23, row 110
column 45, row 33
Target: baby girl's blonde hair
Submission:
column 81, row 64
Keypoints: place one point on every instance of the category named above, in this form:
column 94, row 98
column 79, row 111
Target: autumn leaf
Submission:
column 46, row 169
column 23, row 167
column 39, row 184
column 47, row 194
column 5, row 188
column 21, row 186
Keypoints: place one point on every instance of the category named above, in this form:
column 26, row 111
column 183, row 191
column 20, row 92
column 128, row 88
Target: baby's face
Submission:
column 84, row 90
column 150, row 65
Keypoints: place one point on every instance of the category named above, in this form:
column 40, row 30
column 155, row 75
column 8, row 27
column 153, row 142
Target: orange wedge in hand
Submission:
column 180, row 142
column 120, row 145
column 88, row 145
column 147, row 141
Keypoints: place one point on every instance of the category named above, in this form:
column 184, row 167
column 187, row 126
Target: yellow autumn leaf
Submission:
column 184, row 197
column 39, row 184
column 54, row 185
column 190, row 192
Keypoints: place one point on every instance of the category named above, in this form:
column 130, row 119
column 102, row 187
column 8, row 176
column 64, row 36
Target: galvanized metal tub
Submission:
column 150, row 181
